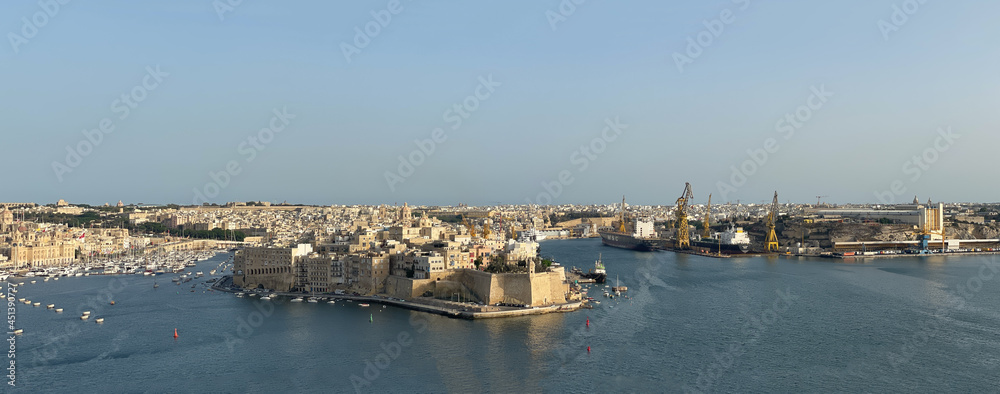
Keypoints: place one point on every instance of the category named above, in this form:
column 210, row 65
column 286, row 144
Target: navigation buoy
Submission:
column 588, row 322
column 588, row 349
column 371, row 318
column 175, row 333
column 112, row 302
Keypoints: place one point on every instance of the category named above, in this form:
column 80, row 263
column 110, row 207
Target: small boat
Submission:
column 50, row 306
column 19, row 331
column 86, row 313
column 266, row 298
column 155, row 285
column 363, row 305
column 313, row 300
column 84, row 317
column 332, row 302
column 37, row 304
column 112, row 302
column 59, row 310
column 32, row 282
column 297, row 299
column 99, row 320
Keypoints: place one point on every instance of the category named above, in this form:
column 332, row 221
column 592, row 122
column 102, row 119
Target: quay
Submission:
column 458, row 313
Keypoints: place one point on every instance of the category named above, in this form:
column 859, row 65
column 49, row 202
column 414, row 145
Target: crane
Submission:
column 513, row 229
column 772, row 215
column 486, row 229
column 472, row 229
column 708, row 215
column 621, row 219
column 680, row 212
column 818, row 198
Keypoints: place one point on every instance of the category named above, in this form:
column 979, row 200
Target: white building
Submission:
column 427, row 264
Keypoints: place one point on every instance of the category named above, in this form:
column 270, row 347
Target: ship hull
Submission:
column 598, row 278
column 625, row 241
column 714, row 247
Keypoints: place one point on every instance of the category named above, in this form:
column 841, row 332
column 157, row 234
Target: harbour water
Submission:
column 925, row 324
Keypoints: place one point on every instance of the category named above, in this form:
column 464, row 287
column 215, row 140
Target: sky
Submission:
column 506, row 101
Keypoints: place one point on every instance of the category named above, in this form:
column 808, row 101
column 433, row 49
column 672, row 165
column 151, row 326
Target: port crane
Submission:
column 680, row 213
column 708, row 214
column 621, row 219
column 772, row 215
column 472, row 228
column 818, row 198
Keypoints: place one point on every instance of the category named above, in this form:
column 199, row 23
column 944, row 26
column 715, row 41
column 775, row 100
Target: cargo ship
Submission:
column 637, row 235
column 732, row 241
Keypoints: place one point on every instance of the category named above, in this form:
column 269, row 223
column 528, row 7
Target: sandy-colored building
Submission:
column 269, row 268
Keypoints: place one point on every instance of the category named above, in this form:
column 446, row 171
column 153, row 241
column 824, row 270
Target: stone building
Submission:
column 270, row 268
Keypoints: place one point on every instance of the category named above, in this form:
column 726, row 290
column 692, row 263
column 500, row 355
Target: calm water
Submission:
column 726, row 325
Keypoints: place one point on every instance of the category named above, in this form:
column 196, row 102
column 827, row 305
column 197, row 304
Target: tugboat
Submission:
column 598, row 274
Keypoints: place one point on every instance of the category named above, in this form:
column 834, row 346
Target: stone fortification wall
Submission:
column 539, row 289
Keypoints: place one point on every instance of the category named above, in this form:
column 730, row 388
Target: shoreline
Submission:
column 420, row 307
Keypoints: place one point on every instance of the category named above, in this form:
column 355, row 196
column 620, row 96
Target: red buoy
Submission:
column 588, row 349
column 175, row 333
column 588, row 322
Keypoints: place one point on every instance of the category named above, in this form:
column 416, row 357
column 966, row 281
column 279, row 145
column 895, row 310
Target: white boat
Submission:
column 100, row 320
column 37, row 304
column 313, row 300
column 78, row 274
column 332, row 302
column 266, row 298
column 4, row 277
column 199, row 274
column 86, row 313
column 363, row 305
column 59, row 310
column 297, row 299
column 84, row 317
column 19, row 331
column 50, row 306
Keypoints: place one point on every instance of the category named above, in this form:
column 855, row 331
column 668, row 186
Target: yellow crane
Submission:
column 680, row 213
column 513, row 229
column 708, row 214
column 472, row 229
column 772, row 215
column 486, row 229
column 621, row 218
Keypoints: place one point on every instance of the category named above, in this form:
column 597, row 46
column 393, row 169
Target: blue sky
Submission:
column 889, row 94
